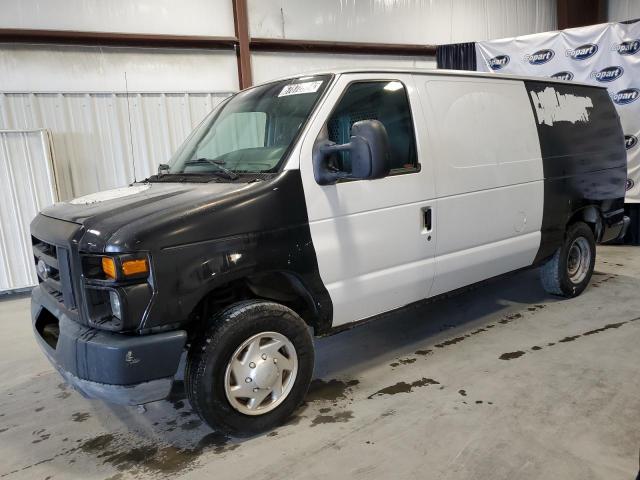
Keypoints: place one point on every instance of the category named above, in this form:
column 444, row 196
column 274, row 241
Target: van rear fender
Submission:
column 590, row 215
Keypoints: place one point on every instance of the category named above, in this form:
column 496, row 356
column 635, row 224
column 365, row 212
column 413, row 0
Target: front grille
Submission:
column 52, row 267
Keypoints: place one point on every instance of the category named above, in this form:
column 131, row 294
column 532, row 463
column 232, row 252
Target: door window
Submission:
column 385, row 101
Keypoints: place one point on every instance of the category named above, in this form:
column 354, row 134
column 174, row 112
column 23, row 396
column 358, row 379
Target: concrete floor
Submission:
column 501, row 382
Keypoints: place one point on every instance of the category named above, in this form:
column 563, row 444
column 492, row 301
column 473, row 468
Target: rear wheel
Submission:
column 251, row 369
column 569, row 271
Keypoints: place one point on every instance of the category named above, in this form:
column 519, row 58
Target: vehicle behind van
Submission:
column 302, row 206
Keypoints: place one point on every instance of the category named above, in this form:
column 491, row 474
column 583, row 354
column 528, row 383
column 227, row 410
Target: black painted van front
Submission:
column 197, row 237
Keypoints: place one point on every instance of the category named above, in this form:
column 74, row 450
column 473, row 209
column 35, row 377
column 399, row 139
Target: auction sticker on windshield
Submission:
column 299, row 88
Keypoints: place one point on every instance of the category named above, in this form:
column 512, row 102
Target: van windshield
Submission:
column 251, row 132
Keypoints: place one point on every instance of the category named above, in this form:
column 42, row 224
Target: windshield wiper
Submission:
column 230, row 174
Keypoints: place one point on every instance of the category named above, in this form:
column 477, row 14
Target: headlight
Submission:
column 117, row 289
column 116, row 307
column 117, row 267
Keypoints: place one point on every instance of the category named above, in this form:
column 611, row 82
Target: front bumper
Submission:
column 118, row 368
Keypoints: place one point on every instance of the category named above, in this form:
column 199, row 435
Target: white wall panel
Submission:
column 267, row 66
column 400, row 21
column 93, row 143
column 622, row 10
column 27, row 185
column 184, row 17
column 37, row 68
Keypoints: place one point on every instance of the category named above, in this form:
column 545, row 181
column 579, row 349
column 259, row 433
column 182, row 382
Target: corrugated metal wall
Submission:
column 622, row 10
column 97, row 136
column 95, row 144
column 268, row 65
column 27, row 185
column 401, row 21
column 184, row 17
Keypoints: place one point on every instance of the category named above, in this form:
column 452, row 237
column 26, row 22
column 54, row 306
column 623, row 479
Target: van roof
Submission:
column 436, row 71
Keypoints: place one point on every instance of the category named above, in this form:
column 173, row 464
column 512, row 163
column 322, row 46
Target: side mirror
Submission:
column 369, row 151
column 163, row 169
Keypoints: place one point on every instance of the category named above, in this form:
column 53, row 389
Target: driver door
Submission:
column 374, row 239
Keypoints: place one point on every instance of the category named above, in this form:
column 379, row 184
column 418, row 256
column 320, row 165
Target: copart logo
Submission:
column 539, row 57
column 630, row 184
column 608, row 74
column 630, row 47
column 630, row 141
column 623, row 97
column 498, row 62
column 563, row 76
column 582, row 52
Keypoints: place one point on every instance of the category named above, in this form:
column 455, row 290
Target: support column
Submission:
column 243, row 54
column 580, row 13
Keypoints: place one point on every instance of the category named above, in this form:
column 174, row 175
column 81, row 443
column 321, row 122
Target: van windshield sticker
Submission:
column 300, row 88
column 552, row 106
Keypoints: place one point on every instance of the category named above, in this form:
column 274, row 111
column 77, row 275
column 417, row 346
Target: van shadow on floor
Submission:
column 417, row 325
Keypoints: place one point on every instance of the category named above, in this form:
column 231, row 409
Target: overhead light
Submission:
column 393, row 86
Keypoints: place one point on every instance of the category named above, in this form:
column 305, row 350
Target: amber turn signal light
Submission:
column 135, row 267
column 109, row 267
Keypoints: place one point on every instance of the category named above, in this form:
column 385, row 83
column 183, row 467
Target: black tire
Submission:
column 209, row 355
column 555, row 275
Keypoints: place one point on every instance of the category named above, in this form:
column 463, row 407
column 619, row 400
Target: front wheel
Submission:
column 568, row 272
column 251, row 369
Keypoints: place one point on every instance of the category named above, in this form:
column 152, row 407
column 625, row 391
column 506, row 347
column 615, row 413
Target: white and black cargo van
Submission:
column 303, row 205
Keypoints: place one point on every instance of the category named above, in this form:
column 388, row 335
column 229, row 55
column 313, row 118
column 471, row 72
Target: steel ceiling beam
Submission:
column 360, row 48
column 70, row 37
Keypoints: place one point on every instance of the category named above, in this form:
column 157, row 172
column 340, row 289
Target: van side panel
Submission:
column 489, row 180
column 583, row 156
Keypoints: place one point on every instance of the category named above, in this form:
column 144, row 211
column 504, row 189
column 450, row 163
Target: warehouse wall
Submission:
column 114, row 113
column 108, row 108
column 186, row 17
column 267, row 65
column 622, row 10
column 421, row 21
column 40, row 68
column 98, row 130
column 105, row 140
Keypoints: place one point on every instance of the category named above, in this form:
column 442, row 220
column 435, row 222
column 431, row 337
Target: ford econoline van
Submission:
column 303, row 205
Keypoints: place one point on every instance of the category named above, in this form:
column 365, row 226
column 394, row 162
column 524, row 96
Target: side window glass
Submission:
column 385, row 101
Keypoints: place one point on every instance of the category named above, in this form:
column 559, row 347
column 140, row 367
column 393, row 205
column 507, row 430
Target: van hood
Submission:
column 123, row 219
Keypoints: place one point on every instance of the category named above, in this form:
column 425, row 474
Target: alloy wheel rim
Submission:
column 261, row 372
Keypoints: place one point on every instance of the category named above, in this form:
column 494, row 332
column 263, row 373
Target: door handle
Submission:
column 426, row 212
column 427, row 216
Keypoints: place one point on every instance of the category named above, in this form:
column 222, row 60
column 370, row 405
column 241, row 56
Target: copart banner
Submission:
column 606, row 55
